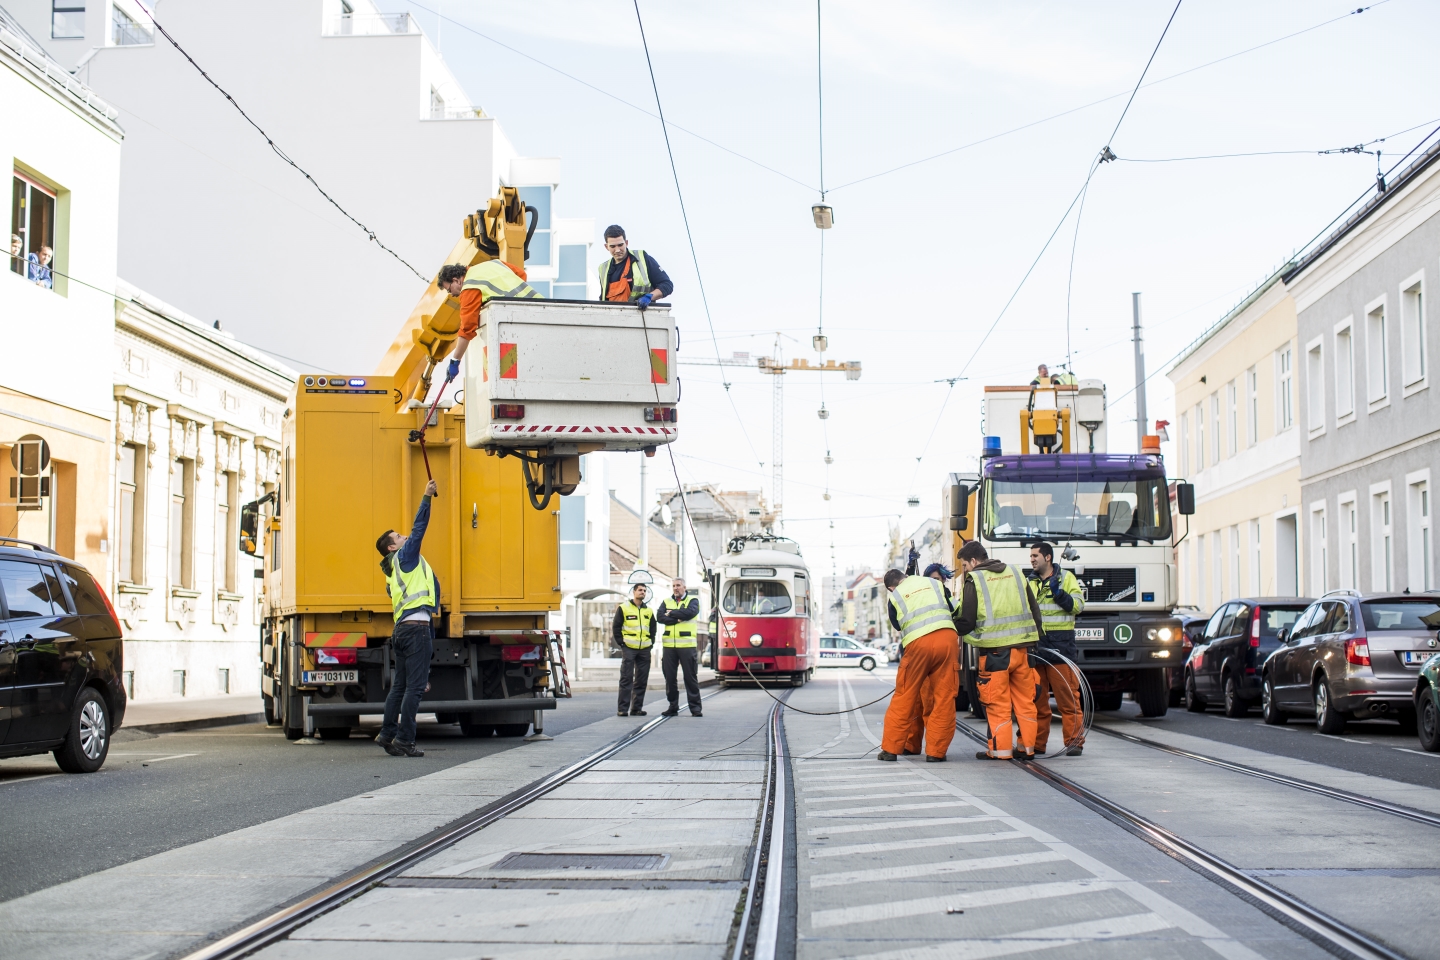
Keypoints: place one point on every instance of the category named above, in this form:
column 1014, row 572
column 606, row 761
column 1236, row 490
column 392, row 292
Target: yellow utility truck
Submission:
column 355, row 464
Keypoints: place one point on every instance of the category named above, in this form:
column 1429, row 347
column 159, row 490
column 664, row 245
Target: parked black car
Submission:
column 1225, row 666
column 1192, row 627
column 1353, row 656
column 61, row 659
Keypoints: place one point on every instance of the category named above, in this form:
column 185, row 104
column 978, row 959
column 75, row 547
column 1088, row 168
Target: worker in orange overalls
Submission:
column 938, row 572
column 475, row 285
column 999, row 615
column 929, row 674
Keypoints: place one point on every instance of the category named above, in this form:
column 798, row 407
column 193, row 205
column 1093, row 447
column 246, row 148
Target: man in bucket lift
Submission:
column 489, row 278
column 631, row 276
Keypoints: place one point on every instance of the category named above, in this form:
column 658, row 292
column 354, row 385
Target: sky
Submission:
column 926, row 254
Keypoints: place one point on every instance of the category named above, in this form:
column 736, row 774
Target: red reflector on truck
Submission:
column 520, row 651
column 336, row 656
column 507, row 411
column 661, row 415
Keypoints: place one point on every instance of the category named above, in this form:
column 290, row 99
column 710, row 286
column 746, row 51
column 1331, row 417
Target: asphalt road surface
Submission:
column 159, row 792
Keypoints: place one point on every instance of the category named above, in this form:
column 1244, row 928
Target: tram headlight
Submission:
column 756, row 639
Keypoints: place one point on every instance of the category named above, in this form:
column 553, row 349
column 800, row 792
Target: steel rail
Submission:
column 1315, row 925
column 284, row 921
column 756, row 939
column 1334, row 793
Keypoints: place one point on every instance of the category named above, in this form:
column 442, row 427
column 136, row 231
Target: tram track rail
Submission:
column 1334, row 793
column 1326, row 931
column 756, row 933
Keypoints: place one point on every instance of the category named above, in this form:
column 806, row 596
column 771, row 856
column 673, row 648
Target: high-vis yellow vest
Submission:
column 635, row 626
column 920, row 607
column 494, row 279
column 678, row 634
column 1052, row 617
column 410, row 591
column 639, row 276
column 1003, row 618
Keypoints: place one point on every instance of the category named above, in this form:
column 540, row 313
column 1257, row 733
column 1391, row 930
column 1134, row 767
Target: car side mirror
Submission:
column 1185, row 498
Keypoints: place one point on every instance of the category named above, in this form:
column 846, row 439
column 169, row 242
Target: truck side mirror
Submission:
column 959, row 506
column 250, row 528
column 1185, row 498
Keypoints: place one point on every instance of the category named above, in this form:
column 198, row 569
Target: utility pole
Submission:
column 1140, row 416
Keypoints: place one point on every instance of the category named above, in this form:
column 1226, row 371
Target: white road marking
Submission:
column 1046, row 938
column 895, row 909
column 176, row 756
column 940, row 868
column 855, row 811
column 30, row 779
column 915, row 843
column 1418, row 753
column 897, row 825
column 1331, row 736
column 855, row 781
column 876, row 796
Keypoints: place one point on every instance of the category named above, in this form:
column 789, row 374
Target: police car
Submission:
column 838, row 651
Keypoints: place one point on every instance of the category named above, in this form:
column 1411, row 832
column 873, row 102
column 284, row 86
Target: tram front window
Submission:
column 756, row 598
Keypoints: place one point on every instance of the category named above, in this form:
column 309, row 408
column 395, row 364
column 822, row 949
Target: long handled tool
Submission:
column 418, row 436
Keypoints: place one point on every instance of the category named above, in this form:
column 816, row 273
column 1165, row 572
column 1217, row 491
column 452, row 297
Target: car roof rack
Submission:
column 30, row 543
column 1343, row 592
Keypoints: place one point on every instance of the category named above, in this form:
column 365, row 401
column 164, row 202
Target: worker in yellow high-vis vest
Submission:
column 679, row 650
column 634, row 632
column 630, row 276
column 999, row 615
column 415, row 595
column 929, row 674
column 1058, row 594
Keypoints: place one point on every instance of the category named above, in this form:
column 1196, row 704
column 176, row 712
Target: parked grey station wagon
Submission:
column 1352, row 656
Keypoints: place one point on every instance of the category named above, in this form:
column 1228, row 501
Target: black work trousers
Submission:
column 634, row 677
column 688, row 662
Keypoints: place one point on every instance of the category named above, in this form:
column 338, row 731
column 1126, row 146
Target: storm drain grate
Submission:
column 583, row 861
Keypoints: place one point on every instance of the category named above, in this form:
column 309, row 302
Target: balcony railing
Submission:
column 370, row 25
column 457, row 112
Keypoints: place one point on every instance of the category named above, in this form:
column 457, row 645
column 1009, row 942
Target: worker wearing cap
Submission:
column 415, row 595
column 998, row 614
column 631, row 276
column 1060, row 599
column 474, row 286
column 677, row 614
column 634, row 632
column 929, row 674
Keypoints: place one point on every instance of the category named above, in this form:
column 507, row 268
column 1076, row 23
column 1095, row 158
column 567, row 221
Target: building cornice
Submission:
column 50, row 77
column 1256, row 304
column 1375, row 457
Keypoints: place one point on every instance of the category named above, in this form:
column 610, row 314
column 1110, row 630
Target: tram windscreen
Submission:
column 756, row 598
column 1091, row 509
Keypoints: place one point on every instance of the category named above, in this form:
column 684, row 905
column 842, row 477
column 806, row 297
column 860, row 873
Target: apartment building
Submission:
column 62, row 144
column 1370, row 423
column 1236, row 438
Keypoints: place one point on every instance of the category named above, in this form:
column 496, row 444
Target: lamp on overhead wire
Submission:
column 824, row 215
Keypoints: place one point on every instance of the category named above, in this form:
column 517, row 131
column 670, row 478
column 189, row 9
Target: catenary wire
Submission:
column 281, row 153
column 1096, row 103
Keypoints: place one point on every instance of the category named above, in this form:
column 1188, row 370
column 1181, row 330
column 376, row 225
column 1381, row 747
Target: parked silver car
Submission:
column 1352, row 656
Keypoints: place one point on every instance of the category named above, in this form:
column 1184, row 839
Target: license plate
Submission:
column 1090, row 633
column 1414, row 658
column 329, row 676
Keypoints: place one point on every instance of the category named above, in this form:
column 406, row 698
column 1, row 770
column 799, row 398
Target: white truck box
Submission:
column 589, row 376
column 1084, row 399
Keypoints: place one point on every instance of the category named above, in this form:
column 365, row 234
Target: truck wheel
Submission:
column 1152, row 693
column 334, row 733
column 1269, row 707
column 475, row 728
column 1177, row 697
column 270, row 718
column 511, row 729
column 1327, row 718
column 1109, row 701
column 1193, row 701
column 962, row 700
column 87, row 742
column 1236, row 706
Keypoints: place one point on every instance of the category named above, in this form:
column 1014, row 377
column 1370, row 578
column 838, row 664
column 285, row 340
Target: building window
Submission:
column 1214, row 428
column 1235, row 561
column 1344, row 371
column 177, row 682
column 1319, row 550
column 538, row 199
column 1256, row 587
column 227, row 532
column 127, row 677
column 125, row 30
column 182, row 524
column 130, row 527
column 32, row 219
column 1382, row 573
column 572, row 533
column 1350, row 543
column 1252, row 407
column 1199, row 437
column 223, row 679
column 570, row 284
column 1232, row 433
column 1412, row 332
column 1285, row 388
column 1217, row 555
column 1422, row 565
column 1184, row 444
column 1315, row 382
column 67, row 19
column 1377, row 364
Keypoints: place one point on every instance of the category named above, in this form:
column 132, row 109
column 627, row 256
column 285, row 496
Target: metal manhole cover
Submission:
column 583, row 861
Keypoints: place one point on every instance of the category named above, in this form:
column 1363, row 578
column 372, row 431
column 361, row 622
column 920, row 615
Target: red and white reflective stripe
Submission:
column 567, row 428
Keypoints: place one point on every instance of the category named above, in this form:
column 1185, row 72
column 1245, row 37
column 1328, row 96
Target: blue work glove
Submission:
column 914, row 554
column 453, row 371
column 1055, row 585
column 645, row 301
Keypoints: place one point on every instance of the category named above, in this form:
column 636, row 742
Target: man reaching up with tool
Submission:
column 631, row 276
column 415, row 595
column 928, row 678
column 488, row 278
column 998, row 614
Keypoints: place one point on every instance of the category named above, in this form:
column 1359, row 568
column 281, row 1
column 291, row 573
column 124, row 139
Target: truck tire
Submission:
column 1152, row 693
column 977, row 709
column 1109, row 701
column 962, row 700
column 476, row 728
column 270, row 718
